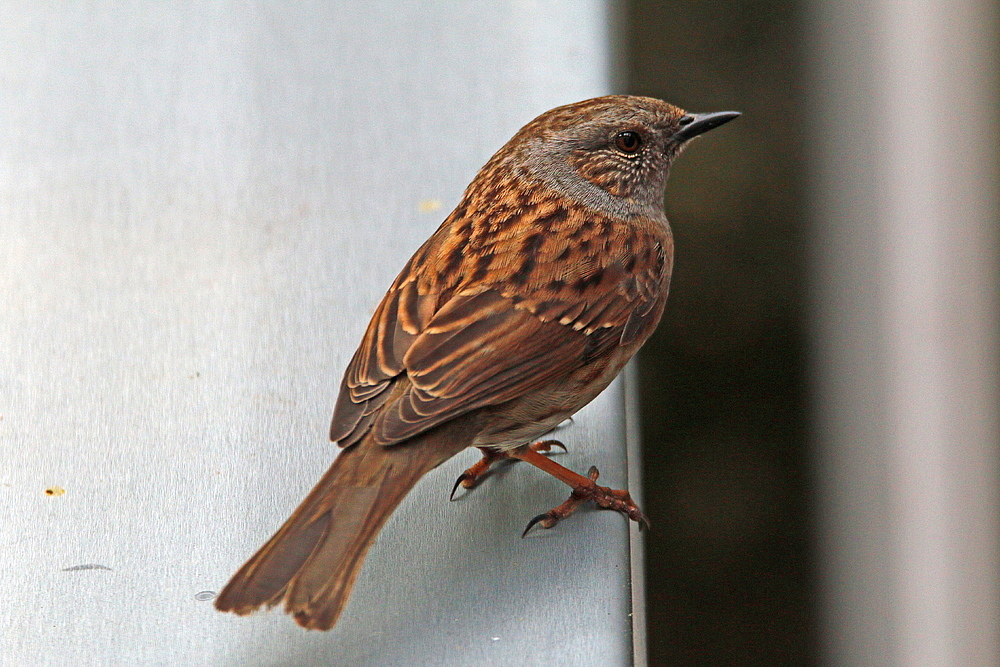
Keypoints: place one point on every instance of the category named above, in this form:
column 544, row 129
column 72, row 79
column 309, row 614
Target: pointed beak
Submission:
column 694, row 124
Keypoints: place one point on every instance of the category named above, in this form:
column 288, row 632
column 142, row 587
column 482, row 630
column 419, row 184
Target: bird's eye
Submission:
column 629, row 142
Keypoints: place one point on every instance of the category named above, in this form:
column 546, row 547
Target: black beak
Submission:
column 693, row 124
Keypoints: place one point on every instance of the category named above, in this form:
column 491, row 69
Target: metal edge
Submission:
column 637, row 560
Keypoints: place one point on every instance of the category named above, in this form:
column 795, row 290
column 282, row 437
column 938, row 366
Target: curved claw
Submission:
column 538, row 519
column 566, row 423
column 458, row 482
column 546, row 445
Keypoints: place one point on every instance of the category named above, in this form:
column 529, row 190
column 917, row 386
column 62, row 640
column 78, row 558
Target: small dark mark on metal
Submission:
column 88, row 566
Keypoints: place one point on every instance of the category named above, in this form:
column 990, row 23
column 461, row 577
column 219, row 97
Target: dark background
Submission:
column 729, row 560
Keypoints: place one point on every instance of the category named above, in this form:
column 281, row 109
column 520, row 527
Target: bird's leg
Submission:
column 584, row 489
column 470, row 477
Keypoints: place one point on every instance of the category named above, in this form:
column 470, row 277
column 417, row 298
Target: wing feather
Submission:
column 471, row 342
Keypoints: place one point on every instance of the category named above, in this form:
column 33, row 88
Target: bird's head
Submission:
column 610, row 153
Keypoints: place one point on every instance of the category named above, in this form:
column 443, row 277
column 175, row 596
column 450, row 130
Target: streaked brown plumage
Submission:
column 522, row 307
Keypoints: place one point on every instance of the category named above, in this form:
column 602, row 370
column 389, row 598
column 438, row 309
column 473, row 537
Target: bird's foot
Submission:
column 472, row 476
column 587, row 489
column 584, row 489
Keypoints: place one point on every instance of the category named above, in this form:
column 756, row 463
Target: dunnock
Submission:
column 521, row 308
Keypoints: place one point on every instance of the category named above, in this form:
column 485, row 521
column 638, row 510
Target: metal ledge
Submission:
column 201, row 206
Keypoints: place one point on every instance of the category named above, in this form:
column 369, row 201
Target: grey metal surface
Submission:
column 633, row 444
column 200, row 204
column 906, row 311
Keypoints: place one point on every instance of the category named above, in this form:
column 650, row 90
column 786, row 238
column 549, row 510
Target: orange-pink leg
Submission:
column 472, row 476
column 584, row 489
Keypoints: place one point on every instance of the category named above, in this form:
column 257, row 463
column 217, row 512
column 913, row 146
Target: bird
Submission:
column 528, row 300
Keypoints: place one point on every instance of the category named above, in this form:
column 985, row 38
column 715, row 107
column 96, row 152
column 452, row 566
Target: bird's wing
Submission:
column 491, row 341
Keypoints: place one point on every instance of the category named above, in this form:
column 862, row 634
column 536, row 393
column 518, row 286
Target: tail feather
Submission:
column 311, row 563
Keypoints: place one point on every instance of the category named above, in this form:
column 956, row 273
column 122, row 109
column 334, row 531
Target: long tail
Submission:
column 311, row 563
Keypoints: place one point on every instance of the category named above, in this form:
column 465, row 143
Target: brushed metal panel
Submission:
column 200, row 204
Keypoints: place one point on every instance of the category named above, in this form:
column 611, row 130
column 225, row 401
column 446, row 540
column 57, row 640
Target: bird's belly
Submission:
column 525, row 419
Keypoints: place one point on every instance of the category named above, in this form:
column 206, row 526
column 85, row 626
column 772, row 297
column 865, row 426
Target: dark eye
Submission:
column 629, row 143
